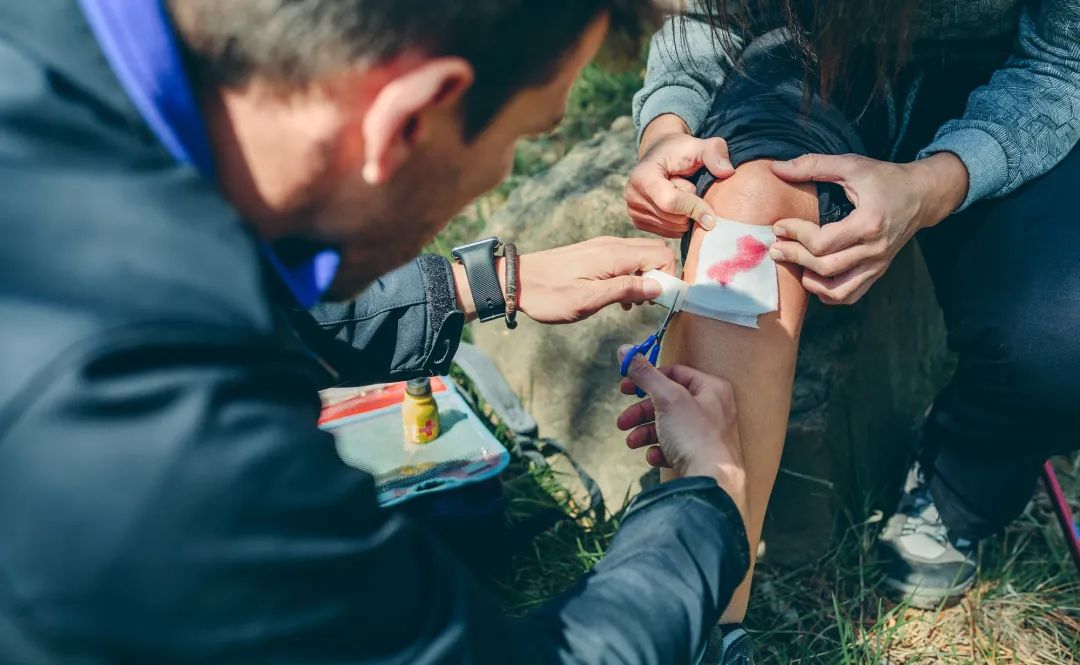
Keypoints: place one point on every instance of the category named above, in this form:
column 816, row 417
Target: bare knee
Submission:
column 755, row 195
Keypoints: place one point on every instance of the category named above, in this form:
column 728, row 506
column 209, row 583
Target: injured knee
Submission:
column 734, row 280
column 728, row 274
column 755, row 195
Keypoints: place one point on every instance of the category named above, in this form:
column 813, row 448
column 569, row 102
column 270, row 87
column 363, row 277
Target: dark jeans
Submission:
column 1006, row 273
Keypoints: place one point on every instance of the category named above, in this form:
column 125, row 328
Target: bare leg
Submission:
column 760, row 364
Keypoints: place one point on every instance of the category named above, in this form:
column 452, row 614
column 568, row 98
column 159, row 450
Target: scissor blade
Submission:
column 663, row 326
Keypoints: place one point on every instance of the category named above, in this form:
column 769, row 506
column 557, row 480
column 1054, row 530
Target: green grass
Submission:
column 1024, row 608
column 560, row 555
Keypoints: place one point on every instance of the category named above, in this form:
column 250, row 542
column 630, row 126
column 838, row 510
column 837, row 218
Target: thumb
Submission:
column 631, row 289
column 714, row 155
column 649, row 378
column 816, row 168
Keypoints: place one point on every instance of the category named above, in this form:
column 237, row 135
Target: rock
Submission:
column 864, row 378
column 567, row 376
column 865, row 373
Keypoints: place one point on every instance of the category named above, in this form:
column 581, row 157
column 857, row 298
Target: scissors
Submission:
column 650, row 348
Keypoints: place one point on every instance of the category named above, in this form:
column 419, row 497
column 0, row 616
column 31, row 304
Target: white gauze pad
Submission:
column 735, row 279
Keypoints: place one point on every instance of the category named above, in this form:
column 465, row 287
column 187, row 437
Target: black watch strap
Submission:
column 478, row 258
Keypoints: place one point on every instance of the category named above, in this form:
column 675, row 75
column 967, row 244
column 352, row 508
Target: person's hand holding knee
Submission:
column 659, row 197
column 688, row 423
column 892, row 202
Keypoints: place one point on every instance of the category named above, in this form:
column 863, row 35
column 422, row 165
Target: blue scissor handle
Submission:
column 649, row 348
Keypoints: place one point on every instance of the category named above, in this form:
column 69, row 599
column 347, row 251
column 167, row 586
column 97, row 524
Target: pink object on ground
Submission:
column 1064, row 513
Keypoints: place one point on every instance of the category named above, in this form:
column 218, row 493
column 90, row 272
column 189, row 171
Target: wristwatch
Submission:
column 478, row 258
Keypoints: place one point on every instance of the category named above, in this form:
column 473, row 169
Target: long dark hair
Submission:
column 829, row 34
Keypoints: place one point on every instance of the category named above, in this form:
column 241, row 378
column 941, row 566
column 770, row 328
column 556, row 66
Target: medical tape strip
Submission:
column 674, row 290
column 735, row 280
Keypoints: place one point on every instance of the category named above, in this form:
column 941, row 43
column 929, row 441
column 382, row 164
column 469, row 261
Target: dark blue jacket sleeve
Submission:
column 679, row 555
column 406, row 324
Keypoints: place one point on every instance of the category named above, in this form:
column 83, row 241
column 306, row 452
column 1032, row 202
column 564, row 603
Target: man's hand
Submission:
column 892, row 202
column 688, row 423
column 571, row 283
column 659, row 198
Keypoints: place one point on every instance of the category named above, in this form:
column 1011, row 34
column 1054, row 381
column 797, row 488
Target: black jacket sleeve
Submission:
column 406, row 324
column 678, row 556
column 168, row 500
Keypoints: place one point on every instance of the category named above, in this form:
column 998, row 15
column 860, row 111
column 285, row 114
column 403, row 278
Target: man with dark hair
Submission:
column 179, row 183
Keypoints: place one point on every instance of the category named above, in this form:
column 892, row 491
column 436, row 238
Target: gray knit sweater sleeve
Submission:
column 687, row 63
column 1015, row 128
column 1027, row 118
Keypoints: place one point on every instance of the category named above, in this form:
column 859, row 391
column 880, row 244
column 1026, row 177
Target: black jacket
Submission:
column 165, row 494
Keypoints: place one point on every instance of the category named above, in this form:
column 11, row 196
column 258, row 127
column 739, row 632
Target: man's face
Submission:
column 382, row 229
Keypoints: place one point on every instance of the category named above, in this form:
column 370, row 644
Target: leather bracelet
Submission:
column 510, row 255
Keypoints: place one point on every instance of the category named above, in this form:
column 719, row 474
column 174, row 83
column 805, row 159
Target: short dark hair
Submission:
column 511, row 44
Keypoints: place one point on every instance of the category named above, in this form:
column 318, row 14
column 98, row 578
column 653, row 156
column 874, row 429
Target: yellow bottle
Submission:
column 419, row 413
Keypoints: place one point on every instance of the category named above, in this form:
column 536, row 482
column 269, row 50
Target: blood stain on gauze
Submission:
column 735, row 280
column 750, row 252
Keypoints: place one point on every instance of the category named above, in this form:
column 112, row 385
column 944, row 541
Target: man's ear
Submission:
column 392, row 123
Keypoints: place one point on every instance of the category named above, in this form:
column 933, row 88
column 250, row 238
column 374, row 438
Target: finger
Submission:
column 669, row 198
column 650, row 187
column 693, row 380
column 651, row 380
column 817, row 285
column 642, row 436
column 636, row 414
column 859, row 292
column 684, row 185
column 667, row 233
column 714, row 155
column 655, row 457
column 654, row 215
column 646, row 225
column 650, row 222
column 635, row 242
column 632, row 258
column 820, row 240
column 646, row 206
column 817, row 168
column 693, row 153
column 826, row 266
column 707, row 222
column 843, row 289
column 629, row 289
